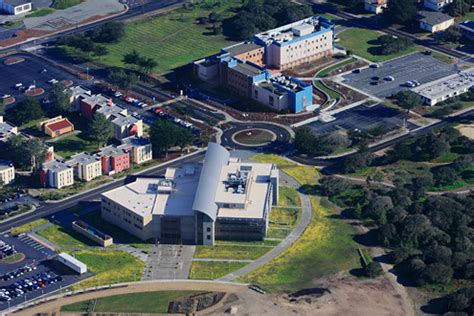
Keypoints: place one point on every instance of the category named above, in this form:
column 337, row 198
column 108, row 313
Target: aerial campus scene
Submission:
column 237, row 157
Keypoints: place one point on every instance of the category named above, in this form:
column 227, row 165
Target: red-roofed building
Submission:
column 56, row 126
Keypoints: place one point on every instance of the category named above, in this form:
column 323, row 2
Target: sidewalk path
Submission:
column 287, row 242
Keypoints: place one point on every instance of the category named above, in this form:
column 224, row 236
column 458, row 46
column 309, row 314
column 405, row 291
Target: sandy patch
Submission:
column 466, row 130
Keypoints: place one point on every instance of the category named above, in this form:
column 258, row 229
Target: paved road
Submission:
column 52, row 208
column 287, row 242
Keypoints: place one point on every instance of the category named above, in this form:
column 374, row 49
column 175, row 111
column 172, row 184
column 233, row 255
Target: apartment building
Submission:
column 86, row 167
column 140, row 149
column 437, row 5
column 7, row 130
column 15, row 7
column 114, row 160
column 375, row 6
column 434, row 22
column 7, row 172
column 56, row 174
column 222, row 198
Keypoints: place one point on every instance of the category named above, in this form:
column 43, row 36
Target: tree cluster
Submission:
column 100, row 130
column 307, row 142
column 25, row 153
column 459, row 7
column 165, row 134
column 407, row 99
column 401, row 12
column 391, row 44
column 121, row 78
column 83, row 46
column 25, row 111
column 60, row 99
column 138, row 62
column 109, row 32
column 256, row 16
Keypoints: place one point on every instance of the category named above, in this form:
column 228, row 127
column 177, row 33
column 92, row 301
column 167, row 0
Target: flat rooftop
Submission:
column 135, row 141
column 248, row 69
column 125, row 120
column 7, row 130
column 241, row 48
column 252, row 195
column 5, row 164
column 111, row 151
column 161, row 196
column 56, row 166
column 111, row 110
column 448, row 85
column 82, row 158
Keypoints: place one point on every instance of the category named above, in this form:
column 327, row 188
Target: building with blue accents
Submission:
column 253, row 69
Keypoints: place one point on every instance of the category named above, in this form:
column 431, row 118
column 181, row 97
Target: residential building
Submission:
column 56, row 174
column 7, row 130
column 253, row 69
column 7, row 172
column 114, row 160
column 77, row 94
column 222, row 198
column 445, row 88
column 467, row 29
column 126, row 126
column 140, row 149
column 15, row 7
column 375, row 6
column 56, row 126
column 433, row 22
column 436, row 5
column 86, row 167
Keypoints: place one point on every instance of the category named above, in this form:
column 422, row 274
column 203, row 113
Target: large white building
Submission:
column 222, row 198
column 86, row 167
column 7, row 172
column 56, row 174
column 440, row 90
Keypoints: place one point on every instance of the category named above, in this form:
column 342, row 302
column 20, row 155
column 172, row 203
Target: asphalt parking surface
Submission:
column 417, row 66
column 362, row 118
column 283, row 136
column 29, row 72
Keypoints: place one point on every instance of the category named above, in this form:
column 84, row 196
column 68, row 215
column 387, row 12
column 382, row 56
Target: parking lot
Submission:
column 417, row 66
column 41, row 260
column 29, row 72
column 362, row 118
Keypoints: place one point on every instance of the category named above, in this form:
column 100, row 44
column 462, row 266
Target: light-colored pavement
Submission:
column 287, row 242
column 167, row 262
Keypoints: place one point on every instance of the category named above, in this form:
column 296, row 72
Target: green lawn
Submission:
column 364, row 43
column 288, row 196
column 65, row 238
column 40, row 12
column 146, row 302
column 73, row 144
column 210, row 270
column 328, row 70
column 64, row 4
column 271, row 158
column 274, row 232
column 286, row 216
column 332, row 94
column 110, row 267
column 230, row 252
column 247, row 243
column 28, row 227
column 173, row 40
column 447, row 157
column 467, row 17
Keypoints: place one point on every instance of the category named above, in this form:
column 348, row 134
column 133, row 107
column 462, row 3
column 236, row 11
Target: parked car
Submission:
column 356, row 71
column 374, row 66
column 389, row 78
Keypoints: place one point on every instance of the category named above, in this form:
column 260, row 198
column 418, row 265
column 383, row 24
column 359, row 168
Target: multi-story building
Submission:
column 252, row 69
column 7, row 130
column 86, row 167
column 7, row 172
column 56, row 174
column 437, row 5
column 467, row 29
column 445, row 88
column 78, row 93
column 126, row 126
column 223, row 198
column 114, row 160
column 140, row 149
column 56, row 126
column 15, row 7
column 375, row 6
column 433, row 22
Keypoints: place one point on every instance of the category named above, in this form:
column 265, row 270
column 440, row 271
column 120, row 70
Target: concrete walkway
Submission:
column 287, row 242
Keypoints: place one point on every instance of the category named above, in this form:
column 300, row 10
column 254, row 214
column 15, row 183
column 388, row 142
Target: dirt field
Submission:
column 346, row 295
column 467, row 130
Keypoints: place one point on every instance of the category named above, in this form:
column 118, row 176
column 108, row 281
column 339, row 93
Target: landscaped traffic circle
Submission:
column 254, row 137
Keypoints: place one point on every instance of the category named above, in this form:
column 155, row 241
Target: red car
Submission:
column 158, row 111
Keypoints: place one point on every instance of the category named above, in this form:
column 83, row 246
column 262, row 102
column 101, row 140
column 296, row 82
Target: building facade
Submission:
column 375, row 6
column 86, row 167
column 140, row 149
column 56, row 126
column 7, row 130
column 434, row 22
column 222, row 198
column 15, row 7
column 436, row 5
column 7, row 172
column 114, row 160
column 56, row 174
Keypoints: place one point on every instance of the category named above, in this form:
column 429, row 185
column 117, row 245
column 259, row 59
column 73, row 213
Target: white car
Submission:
column 118, row 94
column 18, row 85
column 389, row 78
column 53, row 81
column 410, row 84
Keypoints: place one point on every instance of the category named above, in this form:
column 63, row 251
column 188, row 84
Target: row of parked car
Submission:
column 172, row 118
column 18, row 272
column 33, row 283
column 6, row 250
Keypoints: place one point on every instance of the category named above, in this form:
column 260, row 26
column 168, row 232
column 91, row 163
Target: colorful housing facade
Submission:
column 56, row 174
column 114, row 160
column 140, row 149
column 56, row 126
column 86, row 167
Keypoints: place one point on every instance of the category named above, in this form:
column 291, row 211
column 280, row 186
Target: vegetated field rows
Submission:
column 173, row 40
column 210, row 270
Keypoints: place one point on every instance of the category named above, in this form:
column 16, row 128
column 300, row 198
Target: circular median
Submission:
column 34, row 92
column 15, row 258
column 254, row 137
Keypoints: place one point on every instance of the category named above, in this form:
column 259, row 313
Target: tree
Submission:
column 164, row 135
column 108, row 33
column 407, row 99
column 100, row 130
column 444, row 176
column 377, row 209
column 60, row 99
column 437, row 273
column 452, row 34
column 25, row 153
column 25, row 111
column 332, row 186
column 122, row 78
column 131, row 58
column 400, row 11
column 146, row 65
column 354, row 163
column 373, row 269
column 100, row 51
column 458, row 8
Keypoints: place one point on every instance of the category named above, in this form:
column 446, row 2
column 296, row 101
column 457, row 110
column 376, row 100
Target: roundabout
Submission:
column 255, row 135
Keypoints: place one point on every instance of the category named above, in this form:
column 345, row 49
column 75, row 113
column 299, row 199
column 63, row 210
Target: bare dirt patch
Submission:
column 13, row 60
column 67, row 83
column 8, row 101
column 466, row 130
column 34, row 92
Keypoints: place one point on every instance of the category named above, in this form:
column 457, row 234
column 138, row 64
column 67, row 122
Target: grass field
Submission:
column 73, row 144
column 364, row 43
column 173, row 40
column 28, row 227
column 64, row 4
column 324, row 72
column 332, row 94
column 274, row 232
column 210, row 270
column 110, row 267
column 230, row 252
column 288, row 196
column 286, row 216
column 146, row 302
column 65, row 238
column 271, row 158
column 40, row 12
